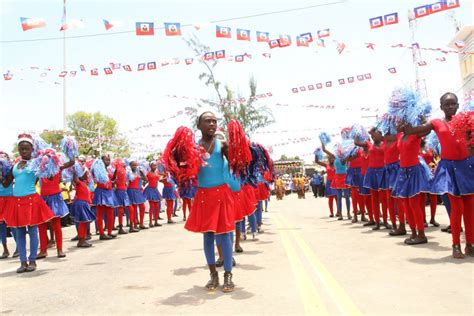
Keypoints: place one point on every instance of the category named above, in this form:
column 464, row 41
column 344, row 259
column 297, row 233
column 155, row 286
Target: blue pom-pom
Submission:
column 426, row 168
column 70, row 147
column 38, row 145
column 130, row 175
column 325, row 138
column 432, row 142
column 99, row 171
column 359, row 132
column 46, row 164
column 67, row 175
column 468, row 106
column 346, row 149
column 5, row 166
column 318, row 154
column 407, row 105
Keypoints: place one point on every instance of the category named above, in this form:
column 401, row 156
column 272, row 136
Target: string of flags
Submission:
column 418, row 12
column 329, row 83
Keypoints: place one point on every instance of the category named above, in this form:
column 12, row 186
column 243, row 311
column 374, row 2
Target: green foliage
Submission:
column 288, row 158
column 85, row 128
column 250, row 115
column 53, row 137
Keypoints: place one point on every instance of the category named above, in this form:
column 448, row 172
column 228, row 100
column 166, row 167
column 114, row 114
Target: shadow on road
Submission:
column 198, row 295
column 188, row 271
column 27, row 275
column 430, row 245
column 442, row 260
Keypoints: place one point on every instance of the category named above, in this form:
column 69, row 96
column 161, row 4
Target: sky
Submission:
column 32, row 103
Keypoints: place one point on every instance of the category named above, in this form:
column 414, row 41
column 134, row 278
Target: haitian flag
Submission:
column 451, row 4
column 302, row 41
column 223, row 31
column 319, row 86
column 141, row 67
column 274, row 43
column 151, row 65
column 376, row 22
column 342, row 81
column 127, row 68
column 220, row 54
column 310, row 87
column 368, row 76
column 239, row 58
column 422, row 63
column 8, row 76
column 144, row 28
column 83, row 68
column 107, row 24
column 94, row 72
column 209, row 56
column 188, row 61
column 295, row 90
column 262, row 36
column 391, row 18
column 32, row 23
column 243, row 35
column 173, row 29
column 303, row 88
column 437, row 7
column 360, row 77
column 392, row 70
column 422, row 11
column 284, row 41
column 328, row 84
column 108, row 70
column 308, row 36
column 340, row 47
column 324, row 33
column 63, row 74
column 72, row 73
column 350, row 79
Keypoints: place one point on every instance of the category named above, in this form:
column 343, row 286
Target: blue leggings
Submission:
column 253, row 223
column 258, row 213
column 3, row 233
column 446, row 203
column 20, row 233
column 347, row 196
column 225, row 241
column 175, row 205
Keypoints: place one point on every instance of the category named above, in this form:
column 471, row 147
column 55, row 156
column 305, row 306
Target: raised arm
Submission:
column 327, row 152
column 421, row 130
column 322, row 164
column 66, row 165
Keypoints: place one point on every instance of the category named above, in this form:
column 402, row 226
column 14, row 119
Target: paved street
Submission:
column 304, row 263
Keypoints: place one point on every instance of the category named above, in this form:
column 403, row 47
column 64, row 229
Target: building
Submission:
column 463, row 41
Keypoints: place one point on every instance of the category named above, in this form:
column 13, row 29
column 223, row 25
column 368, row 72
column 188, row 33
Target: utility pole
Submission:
column 64, row 68
column 420, row 84
column 99, row 139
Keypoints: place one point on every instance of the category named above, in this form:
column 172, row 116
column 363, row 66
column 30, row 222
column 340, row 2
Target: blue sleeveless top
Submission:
column 8, row 191
column 25, row 180
column 340, row 168
column 211, row 175
column 230, row 179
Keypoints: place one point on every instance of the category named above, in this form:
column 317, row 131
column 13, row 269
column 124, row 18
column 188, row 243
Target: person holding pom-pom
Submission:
column 212, row 211
column 454, row 174
column 25, row 210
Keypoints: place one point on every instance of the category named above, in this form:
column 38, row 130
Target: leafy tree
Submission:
column 53, row 137
column 94, row 131
column 245, row 110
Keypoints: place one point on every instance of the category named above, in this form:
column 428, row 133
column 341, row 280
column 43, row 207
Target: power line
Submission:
column 184, row 25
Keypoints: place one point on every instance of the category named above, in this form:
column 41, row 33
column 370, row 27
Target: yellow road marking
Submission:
column 336, row 291
column 312, row 302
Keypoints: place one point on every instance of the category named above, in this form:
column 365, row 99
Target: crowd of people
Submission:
column 394, row 172
column 223, row 182
column 100, row 193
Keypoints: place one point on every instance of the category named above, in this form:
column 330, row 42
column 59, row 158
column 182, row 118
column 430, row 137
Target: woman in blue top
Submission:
column 212, row 211
column 26, row 209
column 339, row 184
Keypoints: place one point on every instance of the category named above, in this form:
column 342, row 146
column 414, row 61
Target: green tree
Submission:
column 52, row 137
column 95, row 132
column 229, row 106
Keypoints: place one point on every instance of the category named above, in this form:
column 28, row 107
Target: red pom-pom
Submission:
column 463, row 122
column 239, row 148
column 182, row 156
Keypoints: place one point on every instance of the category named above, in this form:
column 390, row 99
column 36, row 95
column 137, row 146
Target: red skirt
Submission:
column 242, row 206
column 212, row 211
column 339, row 182
column 261, row 192
column 250, row 198
column 28, row 210
column 3, row 206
